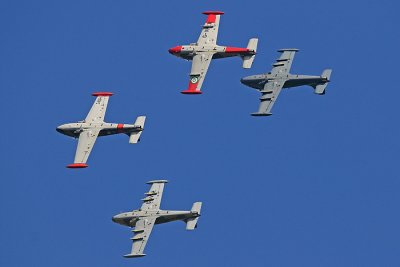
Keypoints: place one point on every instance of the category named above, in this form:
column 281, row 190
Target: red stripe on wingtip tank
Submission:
column 77, row 166
column 120, row 128
column 102, row 94
column 213, row 12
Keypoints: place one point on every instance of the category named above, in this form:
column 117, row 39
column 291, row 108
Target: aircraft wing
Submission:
column 98, row 110
column 268, row 97
column 153, row 197
column 209, row 32
column 87, row 138
column 200, row 64
column 284, row 63
column 142, row 232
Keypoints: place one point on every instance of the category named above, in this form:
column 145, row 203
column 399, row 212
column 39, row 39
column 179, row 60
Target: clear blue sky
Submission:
column 316, row 184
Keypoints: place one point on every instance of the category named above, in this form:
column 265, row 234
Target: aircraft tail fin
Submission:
column 191, row 223
column 248, row 60
column 320, row 88
column 134, row 137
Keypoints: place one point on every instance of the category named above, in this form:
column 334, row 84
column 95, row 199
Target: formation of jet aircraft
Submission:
column 205, row 49
column 270, row 84
column 150, row 214
column 93, row 125
column 200, row 53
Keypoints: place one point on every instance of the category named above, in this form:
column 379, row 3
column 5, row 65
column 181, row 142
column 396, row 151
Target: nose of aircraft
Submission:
column 117, row 218
column 175, row 49
column 245, row 80
column 60, row 128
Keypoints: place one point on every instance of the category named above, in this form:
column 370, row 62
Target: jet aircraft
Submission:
column 271, row 83
column 206, row 49
column 87, row 130
column 150, row 214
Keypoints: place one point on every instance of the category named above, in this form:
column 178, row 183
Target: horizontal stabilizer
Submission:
column 320, row 88
column 134, row 137
column 196, row 207
column 327, row 74
column 191, row 223
column 248, row 60
column 140, row 121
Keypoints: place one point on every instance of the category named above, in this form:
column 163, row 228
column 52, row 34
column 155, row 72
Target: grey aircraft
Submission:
column 87, row 130
column 205, row 49
column 270, row 84
column 150, row 214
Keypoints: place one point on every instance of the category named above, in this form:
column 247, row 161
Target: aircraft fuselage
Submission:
column 189, row 51
column 74, row 129
column 258, row 81
column 163, row 216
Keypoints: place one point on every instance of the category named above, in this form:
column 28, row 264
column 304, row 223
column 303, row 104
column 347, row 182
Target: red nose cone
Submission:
column 175, row 49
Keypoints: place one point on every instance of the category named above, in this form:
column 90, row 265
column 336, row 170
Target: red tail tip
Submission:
column 77, row 166
column 102, row 94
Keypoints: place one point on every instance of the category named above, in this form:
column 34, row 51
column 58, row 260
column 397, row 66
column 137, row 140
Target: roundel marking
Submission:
column 194, row 80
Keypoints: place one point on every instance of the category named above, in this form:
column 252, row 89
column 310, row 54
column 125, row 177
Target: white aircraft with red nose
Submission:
column 206, row 49
column 87, row 130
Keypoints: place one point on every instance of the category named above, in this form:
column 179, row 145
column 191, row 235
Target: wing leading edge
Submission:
column 200, row 65
column 284, row 63
column 99, row 107
column 268, row 97
column 142, row 232
column 144, row 226
column 272, row 89
column 152, row 200
column 209, row 32
column 86, row 140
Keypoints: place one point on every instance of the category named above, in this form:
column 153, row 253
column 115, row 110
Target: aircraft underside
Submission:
column 303, row 81
column 180, row 216
column 260, row 83
column 75, row 132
